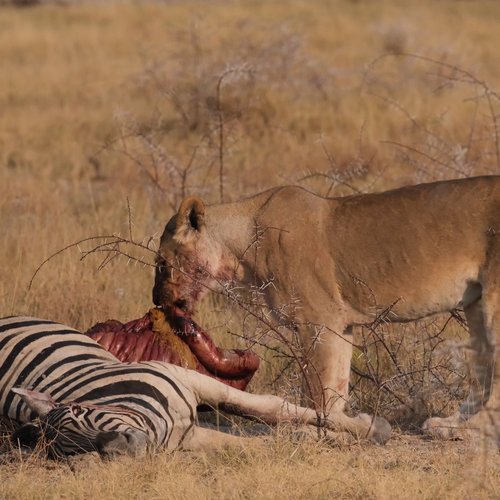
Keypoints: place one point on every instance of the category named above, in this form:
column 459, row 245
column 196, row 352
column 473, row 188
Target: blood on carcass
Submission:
column 168, row 335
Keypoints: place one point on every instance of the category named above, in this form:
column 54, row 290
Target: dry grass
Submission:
column 104, row 102
column 282, row 468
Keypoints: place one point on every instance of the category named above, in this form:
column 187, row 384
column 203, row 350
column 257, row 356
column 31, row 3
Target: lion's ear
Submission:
column 190, row 217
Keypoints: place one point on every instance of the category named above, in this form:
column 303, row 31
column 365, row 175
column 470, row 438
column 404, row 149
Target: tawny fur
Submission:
column 418, row 250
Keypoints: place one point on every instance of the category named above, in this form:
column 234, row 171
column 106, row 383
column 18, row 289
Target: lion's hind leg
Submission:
column 479, row 414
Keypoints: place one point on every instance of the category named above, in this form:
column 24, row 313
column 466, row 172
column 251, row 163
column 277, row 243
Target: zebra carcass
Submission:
column 169, row 335
column 74, row 395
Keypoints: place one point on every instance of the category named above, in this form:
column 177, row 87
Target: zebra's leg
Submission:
column 206, row 439
column 273, row 409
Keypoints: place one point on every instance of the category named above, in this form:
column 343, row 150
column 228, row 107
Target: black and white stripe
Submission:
column 106, row 396
column 87, row 400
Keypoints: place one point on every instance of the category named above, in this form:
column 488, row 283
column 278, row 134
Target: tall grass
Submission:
column 118, row 105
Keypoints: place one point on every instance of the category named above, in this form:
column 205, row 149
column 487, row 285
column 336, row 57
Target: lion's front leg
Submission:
column 327, row 366
column 327, row 357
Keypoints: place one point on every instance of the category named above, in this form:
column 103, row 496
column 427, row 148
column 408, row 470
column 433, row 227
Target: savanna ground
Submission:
column 111, row 111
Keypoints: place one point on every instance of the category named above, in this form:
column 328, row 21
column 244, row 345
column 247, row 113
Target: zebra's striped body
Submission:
column 61, row 362
column 86, row 399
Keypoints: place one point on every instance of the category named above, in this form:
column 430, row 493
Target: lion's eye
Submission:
column 161, row 265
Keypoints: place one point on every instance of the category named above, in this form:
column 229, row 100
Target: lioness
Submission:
column 416, row 251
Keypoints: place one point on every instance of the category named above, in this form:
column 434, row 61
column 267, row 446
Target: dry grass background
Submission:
column 104, row 102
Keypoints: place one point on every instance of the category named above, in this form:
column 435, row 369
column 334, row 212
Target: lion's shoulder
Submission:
column 295, row 197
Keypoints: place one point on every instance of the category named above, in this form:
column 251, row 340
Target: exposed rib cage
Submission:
column 70, row 367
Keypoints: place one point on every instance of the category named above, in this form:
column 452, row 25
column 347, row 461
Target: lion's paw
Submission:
column 480, row 429
column 448, row 428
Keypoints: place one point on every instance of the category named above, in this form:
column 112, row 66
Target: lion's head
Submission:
column 190, row 260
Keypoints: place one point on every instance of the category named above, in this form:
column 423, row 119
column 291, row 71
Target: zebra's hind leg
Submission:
column 273, row 409
column 203, row 439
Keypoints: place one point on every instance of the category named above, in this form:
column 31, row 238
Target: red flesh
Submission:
column 222, row 362
column 135, row 341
